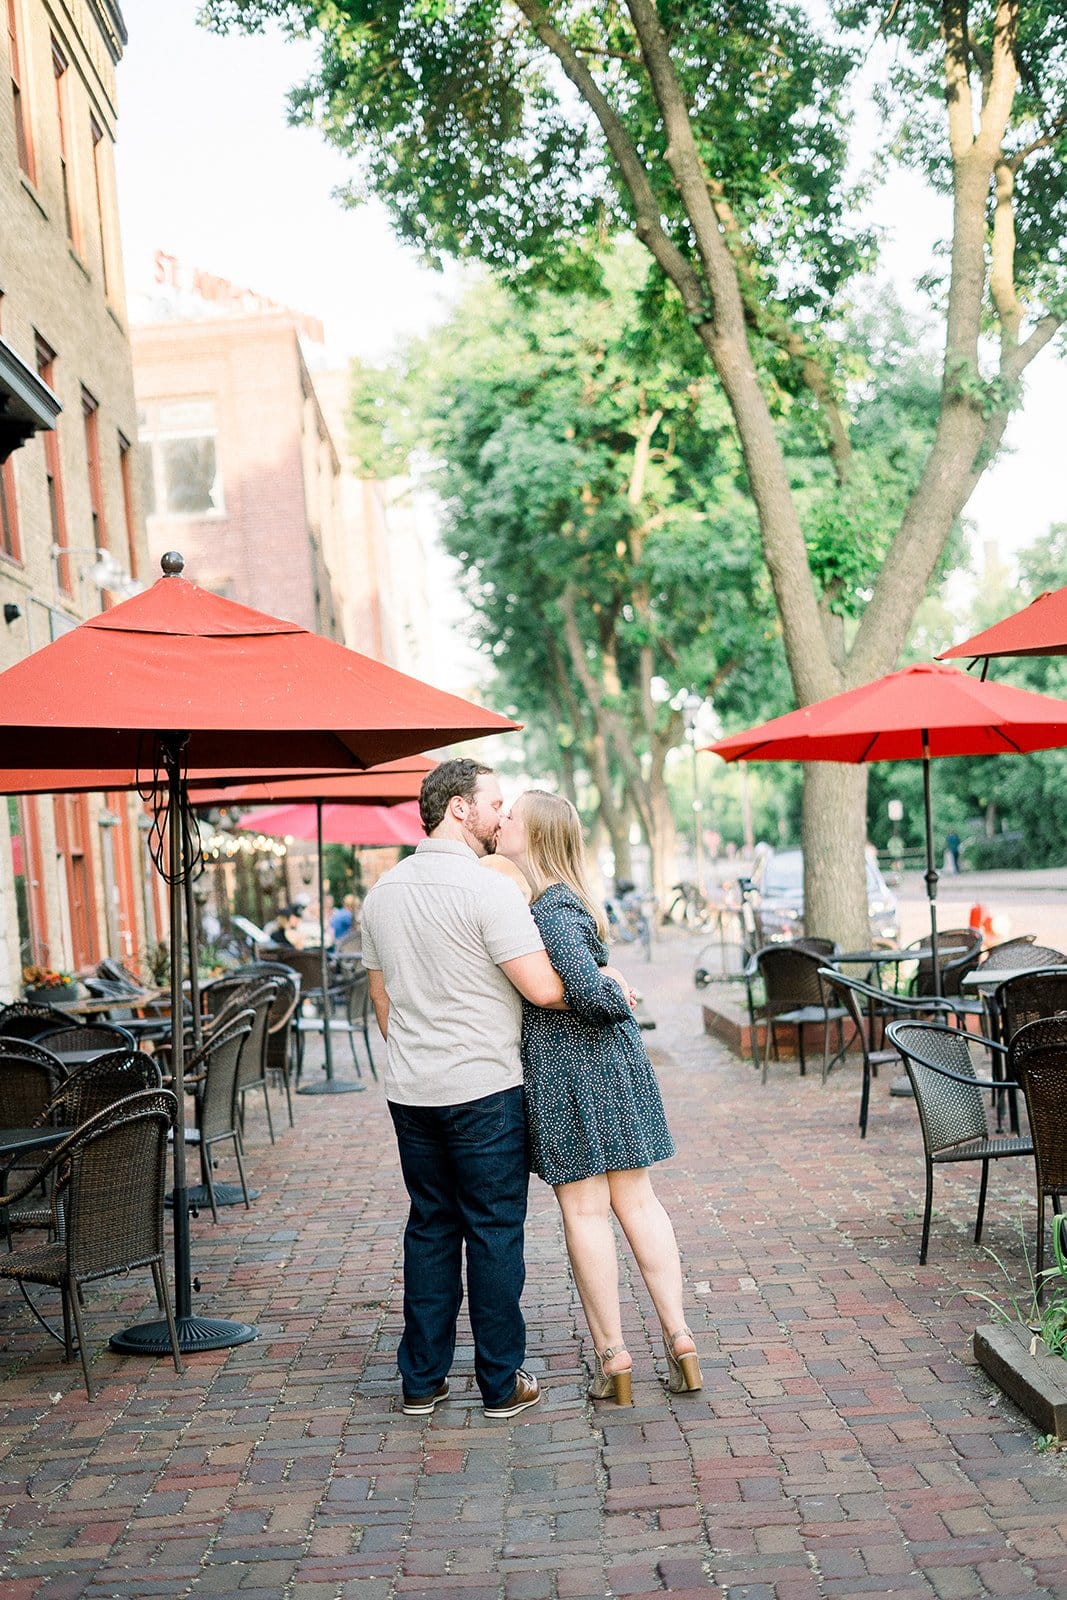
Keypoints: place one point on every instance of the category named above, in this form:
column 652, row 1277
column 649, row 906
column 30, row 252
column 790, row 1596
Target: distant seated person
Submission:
column 343, row 918
column 285, row 928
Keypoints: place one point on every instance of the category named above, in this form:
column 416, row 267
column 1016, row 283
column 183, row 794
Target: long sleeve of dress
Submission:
column 571, row 942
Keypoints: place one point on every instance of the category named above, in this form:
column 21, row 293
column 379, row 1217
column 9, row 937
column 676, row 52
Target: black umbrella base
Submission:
column 332, row 1086
column 194, row 1333
column 226, row 1194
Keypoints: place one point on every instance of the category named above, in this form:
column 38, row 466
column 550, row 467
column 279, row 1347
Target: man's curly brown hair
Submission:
column 450, row 778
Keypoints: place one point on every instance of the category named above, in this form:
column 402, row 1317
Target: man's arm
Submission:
column 536, row 979
column 379, row 999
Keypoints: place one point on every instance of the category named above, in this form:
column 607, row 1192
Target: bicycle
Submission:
column 628, row 920
column 729, row 957
column 688, row 907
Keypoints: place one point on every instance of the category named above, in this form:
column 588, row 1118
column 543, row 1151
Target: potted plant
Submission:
column 47, row 985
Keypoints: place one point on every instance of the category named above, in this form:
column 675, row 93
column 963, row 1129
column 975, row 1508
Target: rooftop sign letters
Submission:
column 221, row 292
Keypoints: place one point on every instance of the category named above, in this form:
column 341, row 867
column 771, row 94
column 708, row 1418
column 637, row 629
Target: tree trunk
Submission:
column 663, row 843
column 833, row 835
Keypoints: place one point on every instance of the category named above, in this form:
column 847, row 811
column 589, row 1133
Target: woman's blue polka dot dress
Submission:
column 592, row 1099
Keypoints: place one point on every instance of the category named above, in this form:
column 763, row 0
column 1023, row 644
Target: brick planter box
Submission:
column 1037, row 1383
column 726, row 1019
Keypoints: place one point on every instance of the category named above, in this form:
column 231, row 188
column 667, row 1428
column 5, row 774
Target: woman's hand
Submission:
column 616, row 977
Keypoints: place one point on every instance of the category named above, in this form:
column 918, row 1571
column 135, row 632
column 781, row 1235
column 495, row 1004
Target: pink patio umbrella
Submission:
column 362, row 825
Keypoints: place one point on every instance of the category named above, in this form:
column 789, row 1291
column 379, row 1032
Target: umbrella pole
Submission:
column 193, row 938
column 194, row 1333
column 329, row 1084
column 931, row 870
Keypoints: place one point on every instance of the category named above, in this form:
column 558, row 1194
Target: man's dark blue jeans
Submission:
column 466, row 1172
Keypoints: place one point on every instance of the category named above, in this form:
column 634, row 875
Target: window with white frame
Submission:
column 179, row 459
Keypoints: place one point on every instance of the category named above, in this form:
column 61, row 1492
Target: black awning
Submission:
column 26, row 404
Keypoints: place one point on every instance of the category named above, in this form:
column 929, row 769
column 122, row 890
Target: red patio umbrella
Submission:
column 178, row 679
column 1039, row 629
column 384, row 784
column 362, row 825
column 920, row 713
column 381, row 784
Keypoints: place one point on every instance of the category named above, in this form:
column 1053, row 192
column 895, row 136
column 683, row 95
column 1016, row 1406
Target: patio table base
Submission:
column 901, row 1087
column 226, row 1194
column 332, row 1086
column 194, row 1333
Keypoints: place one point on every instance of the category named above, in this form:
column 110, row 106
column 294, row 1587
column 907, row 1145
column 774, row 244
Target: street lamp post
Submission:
column 690, row 712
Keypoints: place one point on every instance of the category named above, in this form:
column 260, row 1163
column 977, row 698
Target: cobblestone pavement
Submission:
column 843, row 1445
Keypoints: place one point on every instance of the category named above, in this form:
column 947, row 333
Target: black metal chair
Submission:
column 108, row 1181
column 948, row 1092
column 211, row 1072
column 796, row 995
column 1037, row 1059
column 861, row 1000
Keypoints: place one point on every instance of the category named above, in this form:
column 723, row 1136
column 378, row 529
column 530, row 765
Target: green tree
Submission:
column 591, row 495
column 518, row 131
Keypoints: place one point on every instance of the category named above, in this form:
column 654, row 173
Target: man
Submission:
column 285, row 928
column 450, row 948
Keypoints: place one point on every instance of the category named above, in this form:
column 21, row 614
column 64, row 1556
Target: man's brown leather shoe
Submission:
column 525, row 1393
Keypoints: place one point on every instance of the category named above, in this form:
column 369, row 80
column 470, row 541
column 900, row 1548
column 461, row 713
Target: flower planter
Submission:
column 54, row 994
column 1036, row 1382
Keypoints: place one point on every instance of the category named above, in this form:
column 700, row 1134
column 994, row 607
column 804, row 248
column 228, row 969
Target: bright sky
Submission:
column 210, row 172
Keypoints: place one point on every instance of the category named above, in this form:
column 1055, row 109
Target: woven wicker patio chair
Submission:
column 108, row 1181
column 95, row 1085
column 29, row 1078
column 948, row 1092
column 1037, row 1059
column 797, row 995
column 280, row 1029
column 28, row 1019
column 93, row 1036
column 867, row 1006
column 1027, row 997
column 211, row 1071
column 333, row 1010
column 958, row 952
column 252, row 1067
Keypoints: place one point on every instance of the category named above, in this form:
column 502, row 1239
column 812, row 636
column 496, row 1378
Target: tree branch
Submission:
column 778, row 330
column 1004, row 76
column 648, row 213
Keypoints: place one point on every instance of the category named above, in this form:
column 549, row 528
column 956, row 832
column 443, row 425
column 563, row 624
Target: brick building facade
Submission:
column 72, row 887
column 240, row 471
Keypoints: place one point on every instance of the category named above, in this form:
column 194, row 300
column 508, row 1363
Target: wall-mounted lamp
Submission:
column 12, row 612
column 105, row 573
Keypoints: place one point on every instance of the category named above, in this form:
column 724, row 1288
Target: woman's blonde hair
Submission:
column 555, row 850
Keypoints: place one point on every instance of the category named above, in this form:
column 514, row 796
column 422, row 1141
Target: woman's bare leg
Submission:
column 587, row 1226
column 650, row 1236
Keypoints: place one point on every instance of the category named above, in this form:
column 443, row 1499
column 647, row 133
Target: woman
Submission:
column 594, row 1108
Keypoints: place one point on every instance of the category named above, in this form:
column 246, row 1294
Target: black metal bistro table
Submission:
column 17, row 1141
column 901, row 1086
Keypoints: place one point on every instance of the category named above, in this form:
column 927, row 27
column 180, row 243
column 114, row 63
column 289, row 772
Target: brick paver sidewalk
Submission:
column 843, row 1445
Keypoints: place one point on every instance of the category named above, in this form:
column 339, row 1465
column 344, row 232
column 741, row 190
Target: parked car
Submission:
column 779, row 879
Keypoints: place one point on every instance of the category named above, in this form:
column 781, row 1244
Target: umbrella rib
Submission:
column 868, row 747
column 998, row 733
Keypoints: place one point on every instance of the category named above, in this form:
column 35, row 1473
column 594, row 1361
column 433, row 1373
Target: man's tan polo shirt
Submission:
column 437, row 926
